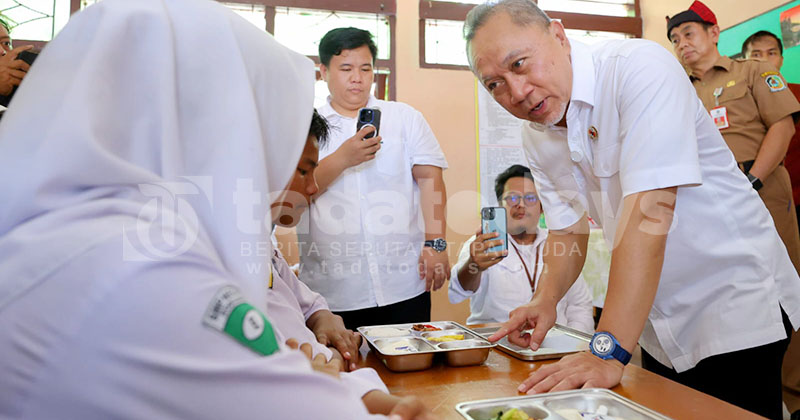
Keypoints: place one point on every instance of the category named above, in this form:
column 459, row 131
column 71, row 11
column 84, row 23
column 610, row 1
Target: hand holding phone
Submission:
column 12, row 70
column 357, row 149
column 27, row 56
column 493, row 219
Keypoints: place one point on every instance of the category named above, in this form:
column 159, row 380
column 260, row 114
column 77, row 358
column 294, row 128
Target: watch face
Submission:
column 439, row 244
column 602, row 344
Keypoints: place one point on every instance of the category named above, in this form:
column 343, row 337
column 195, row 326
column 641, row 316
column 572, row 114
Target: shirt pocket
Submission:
column 606, row 160
column 391, row 158
column 733, row 93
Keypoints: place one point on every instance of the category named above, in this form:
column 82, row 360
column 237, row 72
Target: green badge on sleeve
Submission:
column 230, row 313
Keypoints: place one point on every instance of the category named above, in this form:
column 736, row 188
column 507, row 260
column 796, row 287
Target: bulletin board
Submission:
column 783, row 21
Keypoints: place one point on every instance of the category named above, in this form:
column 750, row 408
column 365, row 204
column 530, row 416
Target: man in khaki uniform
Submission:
column 764, row 45
column 752, row 106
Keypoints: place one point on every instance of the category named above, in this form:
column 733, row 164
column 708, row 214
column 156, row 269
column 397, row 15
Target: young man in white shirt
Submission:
column 373, row 242
column 498, row 282
column 698, row 273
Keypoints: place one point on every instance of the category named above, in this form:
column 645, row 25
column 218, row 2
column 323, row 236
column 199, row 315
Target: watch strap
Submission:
column 754, row 181
column 621, row 354
column 438, row 244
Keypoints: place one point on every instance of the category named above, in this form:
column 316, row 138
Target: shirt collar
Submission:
column 583, row 76
column 723, row 62
column 583, row 79
column 328, row 112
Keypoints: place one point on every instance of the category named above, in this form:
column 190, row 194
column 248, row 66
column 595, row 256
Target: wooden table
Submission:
column 442, row 387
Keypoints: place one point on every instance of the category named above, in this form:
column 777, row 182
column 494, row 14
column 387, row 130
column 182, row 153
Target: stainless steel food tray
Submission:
column 548, row 406
column 472, row 350
column 559, row 341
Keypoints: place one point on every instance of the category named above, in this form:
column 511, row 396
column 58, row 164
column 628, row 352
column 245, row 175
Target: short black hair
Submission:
column 758, row 35
column 320, row 128
column 340, row 39
column 513, row 171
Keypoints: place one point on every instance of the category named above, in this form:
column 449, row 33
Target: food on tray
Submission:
column 386, row 332
column 425, row 327
column 600, row 414
column 403, row 346
column 512, row 414
column 449, row 337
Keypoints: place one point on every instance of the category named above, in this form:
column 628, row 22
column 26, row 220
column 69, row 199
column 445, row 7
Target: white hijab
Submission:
column 137, row 98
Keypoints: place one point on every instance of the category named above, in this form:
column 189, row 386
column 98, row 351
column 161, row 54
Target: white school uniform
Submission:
column 124, row 292
column 290, row 304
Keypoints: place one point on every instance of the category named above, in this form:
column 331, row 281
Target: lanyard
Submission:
column 531, row 279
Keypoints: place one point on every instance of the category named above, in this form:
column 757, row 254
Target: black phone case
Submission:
column 27, row 56
column 375, row 121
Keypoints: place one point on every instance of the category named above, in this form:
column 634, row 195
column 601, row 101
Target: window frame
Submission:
column 387, row 8
column 443, row 10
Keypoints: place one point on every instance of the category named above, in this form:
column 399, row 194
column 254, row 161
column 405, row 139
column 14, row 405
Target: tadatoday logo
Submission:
column 167, row 224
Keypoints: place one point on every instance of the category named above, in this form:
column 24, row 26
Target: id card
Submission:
column 720, row 117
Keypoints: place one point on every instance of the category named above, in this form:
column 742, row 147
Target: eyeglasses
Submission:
column 515, row 199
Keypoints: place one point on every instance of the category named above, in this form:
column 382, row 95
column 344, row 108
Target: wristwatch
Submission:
column 605, row 346
column 438, row 244
column 757, row 184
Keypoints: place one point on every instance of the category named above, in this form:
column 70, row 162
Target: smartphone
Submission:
column 369, row 116
column 493, row 219
column 27, row 56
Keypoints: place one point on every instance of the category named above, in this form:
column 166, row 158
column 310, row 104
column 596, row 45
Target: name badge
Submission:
column 720, row 117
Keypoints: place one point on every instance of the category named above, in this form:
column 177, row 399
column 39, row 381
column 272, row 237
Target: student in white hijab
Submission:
column 124, row 288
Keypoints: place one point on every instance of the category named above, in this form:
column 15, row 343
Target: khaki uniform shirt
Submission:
column 755, row 96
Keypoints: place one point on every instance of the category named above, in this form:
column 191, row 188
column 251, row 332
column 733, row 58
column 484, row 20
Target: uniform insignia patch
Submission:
column 731, row 83
column 769, row 73
column 230, row 314
column 593, row 133
column 775, row 83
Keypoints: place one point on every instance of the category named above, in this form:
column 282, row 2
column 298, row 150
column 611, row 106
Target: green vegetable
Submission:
column 513, row 414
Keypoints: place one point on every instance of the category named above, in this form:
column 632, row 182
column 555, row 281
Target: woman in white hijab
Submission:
column 129, row 163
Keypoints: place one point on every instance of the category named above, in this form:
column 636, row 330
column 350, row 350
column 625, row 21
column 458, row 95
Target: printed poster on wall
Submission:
column 499, row 143
column 790, row 27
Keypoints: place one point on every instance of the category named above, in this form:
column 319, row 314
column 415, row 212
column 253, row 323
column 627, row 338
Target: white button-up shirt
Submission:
column 360, row 241
column 725, row 269
column 505, row 286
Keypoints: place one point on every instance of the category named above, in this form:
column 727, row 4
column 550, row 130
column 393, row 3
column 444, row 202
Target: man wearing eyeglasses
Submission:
column 498, row 282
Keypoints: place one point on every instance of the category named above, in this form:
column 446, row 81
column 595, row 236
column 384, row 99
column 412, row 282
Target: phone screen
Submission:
column 493, row 219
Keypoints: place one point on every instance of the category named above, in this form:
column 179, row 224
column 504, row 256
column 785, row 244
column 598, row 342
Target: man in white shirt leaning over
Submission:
column 498, row 282
column 699, row 276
